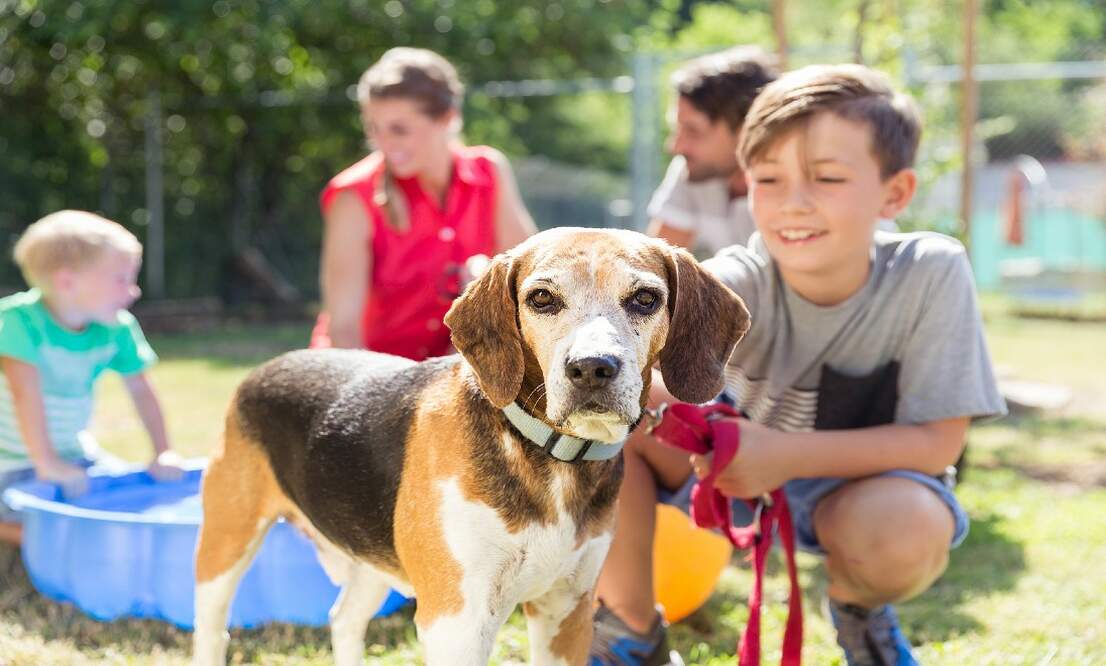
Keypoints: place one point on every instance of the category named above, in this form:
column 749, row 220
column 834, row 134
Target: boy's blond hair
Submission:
column 72, row 239
column 852, row 92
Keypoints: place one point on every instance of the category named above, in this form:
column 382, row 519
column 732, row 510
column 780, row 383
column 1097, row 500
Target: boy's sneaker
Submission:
column 615, row 644
column 870, row 637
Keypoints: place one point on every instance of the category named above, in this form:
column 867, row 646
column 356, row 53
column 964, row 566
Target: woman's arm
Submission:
column 513, row 223
column 345, row 268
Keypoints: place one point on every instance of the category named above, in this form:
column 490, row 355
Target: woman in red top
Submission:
column 405, row 224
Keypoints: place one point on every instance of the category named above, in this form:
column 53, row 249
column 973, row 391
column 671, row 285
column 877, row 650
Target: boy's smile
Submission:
column 817, row 195
column 793, row 236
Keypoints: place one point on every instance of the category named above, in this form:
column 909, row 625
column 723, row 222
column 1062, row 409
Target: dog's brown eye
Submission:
column 542, row 300
column 644, row 301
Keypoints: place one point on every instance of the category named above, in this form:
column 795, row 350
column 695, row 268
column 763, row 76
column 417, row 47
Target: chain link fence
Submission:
column 1037, row 225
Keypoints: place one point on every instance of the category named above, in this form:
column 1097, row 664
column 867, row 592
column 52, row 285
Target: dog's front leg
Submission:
column 560, row 621
column 463, row 639
column 559, row 624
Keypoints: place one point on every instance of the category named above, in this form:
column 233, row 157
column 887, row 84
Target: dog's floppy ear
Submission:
column 706, row 321
column 484, row 329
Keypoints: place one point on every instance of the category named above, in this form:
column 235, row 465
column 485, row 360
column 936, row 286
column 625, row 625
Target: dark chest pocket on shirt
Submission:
column 846, row 401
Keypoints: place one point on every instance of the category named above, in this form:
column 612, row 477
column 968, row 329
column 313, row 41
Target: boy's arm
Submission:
column 30, row 413
column 149, row 410
column 769, row 458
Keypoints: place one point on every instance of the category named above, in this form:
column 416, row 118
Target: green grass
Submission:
column 1027, row 587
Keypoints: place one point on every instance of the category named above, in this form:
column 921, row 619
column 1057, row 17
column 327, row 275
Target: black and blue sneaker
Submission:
column 870, row 637
column 615, row 644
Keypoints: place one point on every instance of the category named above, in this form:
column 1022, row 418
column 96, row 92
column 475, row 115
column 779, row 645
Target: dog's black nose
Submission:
column 593, row 372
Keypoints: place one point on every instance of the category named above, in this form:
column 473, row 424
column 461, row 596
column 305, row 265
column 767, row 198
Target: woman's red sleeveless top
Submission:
column 416, row 273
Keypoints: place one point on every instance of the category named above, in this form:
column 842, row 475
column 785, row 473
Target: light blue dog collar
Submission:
column 565, row 448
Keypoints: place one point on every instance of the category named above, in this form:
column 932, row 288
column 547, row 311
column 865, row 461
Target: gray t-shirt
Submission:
column 704, row 208
column 907, row 348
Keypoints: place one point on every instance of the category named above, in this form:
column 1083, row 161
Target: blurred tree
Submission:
column 257, row 111
column 257, row 107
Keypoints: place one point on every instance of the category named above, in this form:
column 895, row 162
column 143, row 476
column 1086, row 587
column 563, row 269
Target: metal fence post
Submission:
column 154, row 252
column 643, row 147
column 909, row 67
column 968, row 115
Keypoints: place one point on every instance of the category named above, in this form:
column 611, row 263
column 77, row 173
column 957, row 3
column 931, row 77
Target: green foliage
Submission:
column 719, row 26
column 257, row 113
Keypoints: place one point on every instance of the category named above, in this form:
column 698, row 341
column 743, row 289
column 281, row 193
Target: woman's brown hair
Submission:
column 423, row 77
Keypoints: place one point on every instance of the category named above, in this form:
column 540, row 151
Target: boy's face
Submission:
column 710, row 147
column 817, row 195
column 100, row 290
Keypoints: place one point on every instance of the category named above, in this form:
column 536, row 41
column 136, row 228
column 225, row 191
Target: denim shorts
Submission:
column 803, row 496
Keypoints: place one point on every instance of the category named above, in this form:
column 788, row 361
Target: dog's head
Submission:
column 570, row 322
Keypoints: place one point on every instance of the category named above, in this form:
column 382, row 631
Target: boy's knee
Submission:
column 890, row 568
column 890, row 545
column 880, row 510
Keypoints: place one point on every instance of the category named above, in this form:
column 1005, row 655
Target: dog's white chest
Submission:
column 507, row 567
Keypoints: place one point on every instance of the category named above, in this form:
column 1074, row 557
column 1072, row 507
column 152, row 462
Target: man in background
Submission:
column 700, row 204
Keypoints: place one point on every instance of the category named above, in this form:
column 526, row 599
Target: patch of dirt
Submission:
column 1084, row 475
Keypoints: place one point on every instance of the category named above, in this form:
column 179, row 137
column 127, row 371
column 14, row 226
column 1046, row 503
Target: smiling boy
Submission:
column 55, row 341
column 863, row 367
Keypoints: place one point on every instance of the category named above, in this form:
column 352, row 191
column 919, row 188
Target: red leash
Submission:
column 714, row 427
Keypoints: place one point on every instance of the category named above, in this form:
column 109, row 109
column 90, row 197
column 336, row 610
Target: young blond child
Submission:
column 55, row 341
column 864, row 364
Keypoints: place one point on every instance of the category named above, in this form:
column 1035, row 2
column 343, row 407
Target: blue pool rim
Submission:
column 115, row 564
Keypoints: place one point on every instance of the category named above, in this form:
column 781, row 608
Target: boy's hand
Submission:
column 73, row 479
column 758, row 468
column 166, row 467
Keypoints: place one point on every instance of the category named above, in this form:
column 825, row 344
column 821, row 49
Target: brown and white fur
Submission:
column 408, row 475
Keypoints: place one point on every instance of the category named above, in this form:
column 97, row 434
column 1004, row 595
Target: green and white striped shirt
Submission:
column 68, row 362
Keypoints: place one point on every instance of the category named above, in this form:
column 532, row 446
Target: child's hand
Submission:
column 166, row 467
column 73, row 479
column 758, row 468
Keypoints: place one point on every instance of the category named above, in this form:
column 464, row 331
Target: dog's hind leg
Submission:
column 240, row 497
column 214, row 593
column 559, row 625
column 360, row 598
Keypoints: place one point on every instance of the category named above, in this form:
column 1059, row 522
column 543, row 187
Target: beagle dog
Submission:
column 475, row 482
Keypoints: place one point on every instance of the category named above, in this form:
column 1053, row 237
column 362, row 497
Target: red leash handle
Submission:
column 702, row 429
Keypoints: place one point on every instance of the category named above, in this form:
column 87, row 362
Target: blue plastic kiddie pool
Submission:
column 126, row 549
